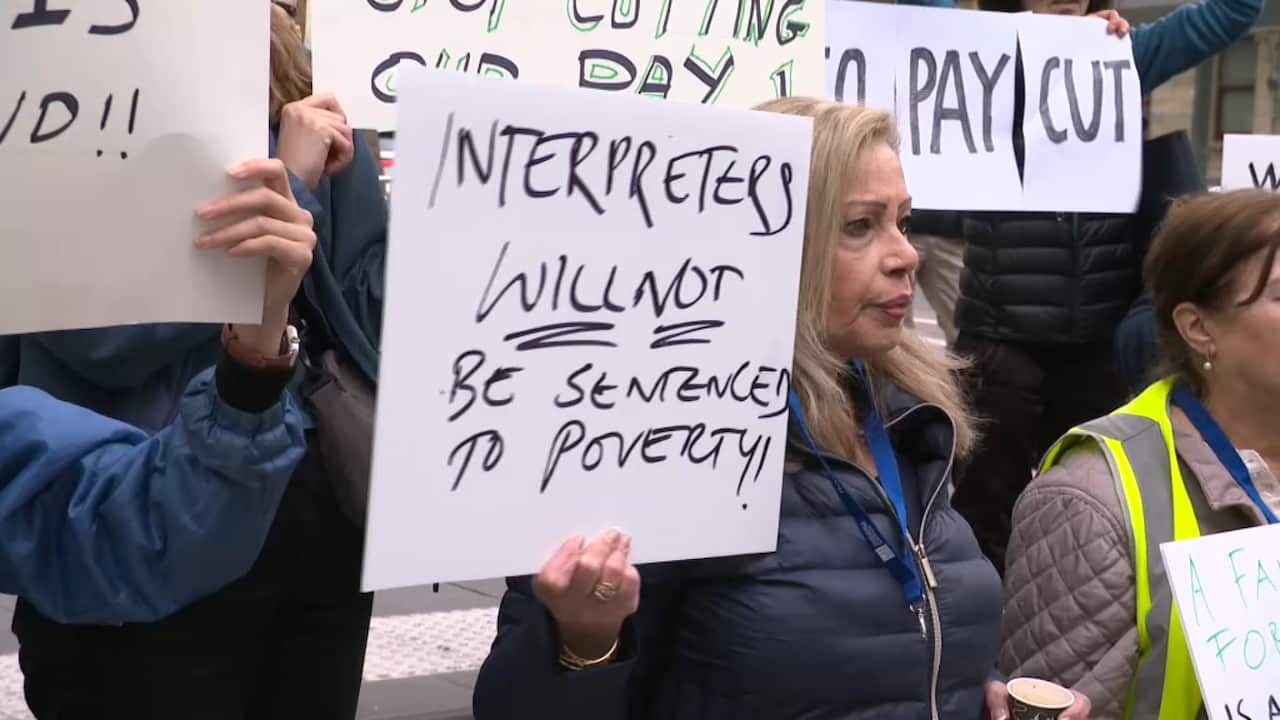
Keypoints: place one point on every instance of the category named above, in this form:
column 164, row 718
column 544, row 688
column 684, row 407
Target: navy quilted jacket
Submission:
column 816, row 630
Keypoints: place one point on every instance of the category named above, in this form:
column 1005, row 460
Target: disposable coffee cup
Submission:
column 1032, row 699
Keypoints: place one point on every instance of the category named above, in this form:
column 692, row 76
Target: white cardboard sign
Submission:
column 1082, row 119
column 117, row 119
column 736, row 53
column 1251, row 161
column 949, row 77
column 1227, row 589
column 589, row 324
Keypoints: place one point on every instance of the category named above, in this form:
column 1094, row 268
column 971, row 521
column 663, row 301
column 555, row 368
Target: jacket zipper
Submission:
column 931, row 580
column 921, row 556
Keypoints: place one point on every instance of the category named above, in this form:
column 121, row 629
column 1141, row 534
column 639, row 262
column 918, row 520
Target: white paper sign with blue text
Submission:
column 117, row 119
column 1227, row 589
column 1251, row 161
column 736, row 53
column 590, row 315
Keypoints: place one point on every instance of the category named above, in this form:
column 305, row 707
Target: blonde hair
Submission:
column 841, row 133
column 290, row 71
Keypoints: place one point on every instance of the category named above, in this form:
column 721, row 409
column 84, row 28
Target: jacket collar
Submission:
column 1220, row 489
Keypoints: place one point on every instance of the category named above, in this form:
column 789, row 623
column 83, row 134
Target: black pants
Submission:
column 285, row 641
column 1027, row 396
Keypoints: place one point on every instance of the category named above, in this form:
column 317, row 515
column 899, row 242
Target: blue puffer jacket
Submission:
column 816, row 630
column 101, row 523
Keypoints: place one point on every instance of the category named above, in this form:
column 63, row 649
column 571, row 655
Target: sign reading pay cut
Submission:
column 1227, row 589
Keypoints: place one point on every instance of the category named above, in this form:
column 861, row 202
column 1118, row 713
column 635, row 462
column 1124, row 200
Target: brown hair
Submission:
column 1197, row 256
column 820, row 376
column 290, row 70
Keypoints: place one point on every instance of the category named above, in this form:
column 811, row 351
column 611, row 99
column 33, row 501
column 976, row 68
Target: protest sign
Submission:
column 955, row 83
column 728, row 52
column 1082, row 118
column 861, row 53
column 590, row 316
column 1251, row 161
column 1228, row 597
column 117, row 119
column 949, row 77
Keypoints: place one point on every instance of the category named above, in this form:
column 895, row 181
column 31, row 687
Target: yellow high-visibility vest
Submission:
column 1137, row 441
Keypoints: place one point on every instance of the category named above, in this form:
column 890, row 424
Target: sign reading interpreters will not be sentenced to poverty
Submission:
column 736, row 53
column 949, row 77
column 1227, row 590
column 117, row 119
column 589, row 324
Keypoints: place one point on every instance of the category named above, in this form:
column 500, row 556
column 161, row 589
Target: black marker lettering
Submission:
column 988, row 82
column 1089, row 132
column 920, row 91
column 858, row 59
column 22, row 98
column 386, row 66
column 713, row 82
column 618, row 151
column 39, row 16
column 576, row 157
column 69, row 103
column 1055, row 135
column 492, row 456
column 1117, row 68
column 605, row 70
column 951, row 70
column 121, row 28
column 787, row 30
column 1268, row 181
column 657, row 78
column 645, row 155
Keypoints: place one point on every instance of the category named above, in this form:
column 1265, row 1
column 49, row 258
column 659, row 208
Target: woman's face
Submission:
column 1246, row 340
column 1056, row 7
column 871, row 284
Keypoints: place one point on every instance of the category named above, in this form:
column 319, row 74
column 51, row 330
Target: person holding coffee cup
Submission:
column 1087, row 603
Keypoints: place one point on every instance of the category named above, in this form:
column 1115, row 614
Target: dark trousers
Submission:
column 285, row 641
column 1027, row 396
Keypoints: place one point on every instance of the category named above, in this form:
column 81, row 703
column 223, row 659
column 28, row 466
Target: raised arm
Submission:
column 1188, row 36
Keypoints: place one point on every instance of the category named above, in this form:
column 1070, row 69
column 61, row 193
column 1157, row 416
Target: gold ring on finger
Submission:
column 605, row 591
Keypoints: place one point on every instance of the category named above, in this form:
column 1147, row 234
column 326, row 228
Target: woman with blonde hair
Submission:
column 1088, row 603
column 821, row 628
column 287, row 639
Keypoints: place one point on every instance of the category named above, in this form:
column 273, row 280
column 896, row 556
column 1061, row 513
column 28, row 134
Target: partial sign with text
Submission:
column 117, row 119
column 950, row 75
column 590, row 318
column 733, row 52
column 1227, row 590
column 1251, row 161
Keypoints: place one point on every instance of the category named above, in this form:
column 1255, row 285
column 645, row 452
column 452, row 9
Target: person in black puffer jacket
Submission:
column 1042, row 294
column 819, row 629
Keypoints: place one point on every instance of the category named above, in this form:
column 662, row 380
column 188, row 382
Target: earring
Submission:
column 1208, row 366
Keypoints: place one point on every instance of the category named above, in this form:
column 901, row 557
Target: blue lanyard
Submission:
column 1221, row 446
column 887, row 466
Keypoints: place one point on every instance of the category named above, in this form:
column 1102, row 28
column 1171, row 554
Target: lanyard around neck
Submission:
column 887, row 467
column 1221, row 446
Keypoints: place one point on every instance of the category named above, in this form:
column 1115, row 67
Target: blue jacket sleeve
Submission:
column 100, row 523
column 123, row 357
column 1188, row 36
column 522, row 675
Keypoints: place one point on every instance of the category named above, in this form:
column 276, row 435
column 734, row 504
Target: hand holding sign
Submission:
column 273, row 227
column 590, row 589
column 315, row 139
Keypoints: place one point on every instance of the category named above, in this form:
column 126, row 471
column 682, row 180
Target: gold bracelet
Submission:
column 569, row 660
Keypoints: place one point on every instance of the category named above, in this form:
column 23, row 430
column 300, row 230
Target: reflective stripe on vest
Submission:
column 1137, row 441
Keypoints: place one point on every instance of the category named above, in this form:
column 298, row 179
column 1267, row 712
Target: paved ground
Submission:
column 424, row 647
